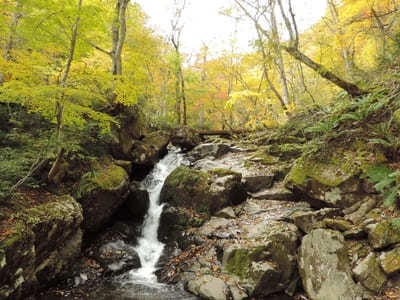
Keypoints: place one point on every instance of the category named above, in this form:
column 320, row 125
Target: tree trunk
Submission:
column 118, row 33
column 351, row 88
column 60, row 102
column 10, row 41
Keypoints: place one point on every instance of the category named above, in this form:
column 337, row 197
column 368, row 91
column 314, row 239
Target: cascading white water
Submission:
column 149, row 248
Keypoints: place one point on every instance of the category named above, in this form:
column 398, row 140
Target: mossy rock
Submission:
column 265, row 266
column 150, row 149
column 205, row 192
column 331, row 179
column 384, row 234
column 390, row 261
column 40, row 244
column 101, row 193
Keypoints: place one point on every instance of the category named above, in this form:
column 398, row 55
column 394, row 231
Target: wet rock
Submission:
column 208, row 287
column 41, row 244
column 117, row 257
column 216, row 227
column 383, row 234
column 175, row 220
column 227, row 213
column 307, row 221
column 204, row 192
column 206, row 150
column 369, row 273
column 324, row 267
column 138, row 200
column 277, row 192
column 185, row 137
column 101, row 193
column 390, row 261
column 332, row 178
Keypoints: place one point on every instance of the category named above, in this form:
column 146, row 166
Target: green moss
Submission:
column 224, row 172
column 240, row 259
column 264, row 158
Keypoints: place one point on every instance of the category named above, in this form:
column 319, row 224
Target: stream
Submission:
column 138, row 284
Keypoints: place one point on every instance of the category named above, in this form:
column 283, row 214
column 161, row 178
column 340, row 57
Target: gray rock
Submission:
column 257, row 182
column 308, row 221
column 277, row 192
column 390, row 261
column 227, row 213
column 208, row 287
column 383, row 234
column 324, row 267
column 369, row 273
column 366, row 206
column 210, row 149
column 185, row 137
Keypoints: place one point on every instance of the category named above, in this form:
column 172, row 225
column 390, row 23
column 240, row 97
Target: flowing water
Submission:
column 149, row 247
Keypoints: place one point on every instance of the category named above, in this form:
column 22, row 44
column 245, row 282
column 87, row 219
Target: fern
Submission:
column 385, row 180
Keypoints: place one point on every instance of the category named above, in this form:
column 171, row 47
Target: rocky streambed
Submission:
column 238, row 222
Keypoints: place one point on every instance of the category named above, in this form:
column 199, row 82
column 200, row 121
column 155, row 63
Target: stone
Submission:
column 265, row 264
column 369, row 273
column 384, row 234
column 204, row 192
column 117, row 257
column 101, row 193
column 185, row 137
column 277, row 192
column 138, row 200
column 227, row 213
column 324, row 267
column 307, row 221
column 331, row 179
column 338, row 224
column 390, row 261
column 209, row 149
column 42, row 244
column 208, row 287
column 366, row 206
column 147, row 151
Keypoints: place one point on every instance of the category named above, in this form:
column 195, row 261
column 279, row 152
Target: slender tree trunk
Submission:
column 60, row 102
column 265, row 70
column 183, row 95
column 118, row 33
column 11, row 38
column 279, row 58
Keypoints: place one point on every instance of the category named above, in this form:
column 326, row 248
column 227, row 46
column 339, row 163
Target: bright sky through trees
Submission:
column 204, row 23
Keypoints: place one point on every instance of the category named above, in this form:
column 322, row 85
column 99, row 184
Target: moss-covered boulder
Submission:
column 384, row 234
column 205, row 192
column 101, row 192
column 331, row 178
column 325, row 269
column 266, row 262
column 185, row 137
column 150, row 149
column 390, row 261
column 37, row 245
column 307, row 221
column 369, row 273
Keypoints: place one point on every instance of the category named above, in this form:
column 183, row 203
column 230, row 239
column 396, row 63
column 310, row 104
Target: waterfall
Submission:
column 149, row 248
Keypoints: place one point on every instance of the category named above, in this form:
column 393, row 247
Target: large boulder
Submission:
column 150, row 149
column 265, row 263
column 185, row 137
column 205, row 192
column 331, row 179
column 209, row 287
column 37, row 245
column 370, row 274
column 101, row 192
column 209, row 149
column 324, row 267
